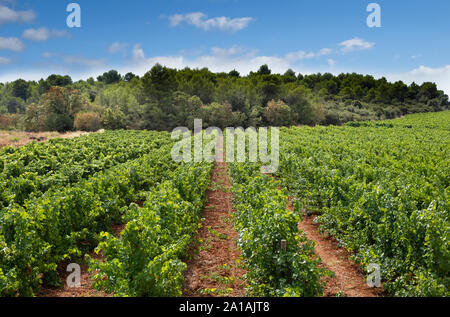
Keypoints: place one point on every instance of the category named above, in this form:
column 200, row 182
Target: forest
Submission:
column 166, row 98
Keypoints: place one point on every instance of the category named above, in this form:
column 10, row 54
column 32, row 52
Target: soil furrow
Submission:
column 348, row 279
column 215, row 268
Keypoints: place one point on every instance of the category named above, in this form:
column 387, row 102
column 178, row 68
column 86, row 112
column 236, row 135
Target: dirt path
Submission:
column 21, row 138
column 85, row 290
column 214, row 269
column 348, row 279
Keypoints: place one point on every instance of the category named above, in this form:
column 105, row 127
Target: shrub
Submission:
column 332, row 118
column 113, row 118
column 34, row 119
column 5, row 122
column 278, row 113
column 58, row 122
column 88, row 121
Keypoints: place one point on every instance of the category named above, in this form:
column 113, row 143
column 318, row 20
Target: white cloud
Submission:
column 331, row 62
column 301, row 55
column 117, row 47
column 69, row 60
column 12, row 44
column 355, row 44
column 201, row 21
column 440, row 75
column 138, row 54
column 48, row 54
column 42, row 34
column 324, row 51
column 218, row 60
column 8, row 15
column 227, row 52
column 4, row 61
column 83, row 61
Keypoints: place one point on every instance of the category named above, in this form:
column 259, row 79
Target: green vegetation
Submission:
column 262, row 222
column 382, row 189
column 35, row 168
column 91, row 186
column 166, row 98
column 147, row 259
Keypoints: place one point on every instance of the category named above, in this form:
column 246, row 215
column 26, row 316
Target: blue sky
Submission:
column 412, row 43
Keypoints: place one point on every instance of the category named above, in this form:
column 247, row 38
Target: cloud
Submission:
column 227, row 52
column 117, row 47
column 439, row 75
column 355, row 44
column 4, row 61
column 217, row 60
column 331, row 62
column 69, row 60
column 12, row 44
column 48, row 54
column 201, row 21
column 138, row 54
column 8, row 15
column 301, row 55
column 83, row 61
column 42, row 34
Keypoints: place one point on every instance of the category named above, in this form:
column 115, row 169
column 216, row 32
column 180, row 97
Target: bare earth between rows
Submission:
column 215, row 269
column 348, row 280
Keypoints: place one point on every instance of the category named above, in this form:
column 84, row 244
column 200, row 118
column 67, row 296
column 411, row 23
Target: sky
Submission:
column 411, row 44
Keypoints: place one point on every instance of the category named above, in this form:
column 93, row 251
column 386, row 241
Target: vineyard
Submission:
column 60, row 198
column 382, row 189
column 379, row 188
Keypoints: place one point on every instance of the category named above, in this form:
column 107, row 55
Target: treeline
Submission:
column 165, row 98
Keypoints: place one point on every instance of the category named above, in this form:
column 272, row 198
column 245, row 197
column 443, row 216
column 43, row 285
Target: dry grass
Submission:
column 20, row 138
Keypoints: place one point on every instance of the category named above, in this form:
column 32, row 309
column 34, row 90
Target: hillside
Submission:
column 166, row 98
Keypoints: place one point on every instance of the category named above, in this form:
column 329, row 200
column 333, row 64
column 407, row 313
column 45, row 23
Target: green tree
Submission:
column 234, row 73
column 202, row 87
column 113, row 118
column 218, row 115
column 264, row 70
column 289, row 76
column 159, row 83
column 64, row 101
column 110, row 77
column 58, row 80
column 128, row 77
column 20, row 89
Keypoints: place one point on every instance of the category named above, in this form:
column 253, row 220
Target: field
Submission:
column 19, row 138
column 382, row 189
column 145, row 225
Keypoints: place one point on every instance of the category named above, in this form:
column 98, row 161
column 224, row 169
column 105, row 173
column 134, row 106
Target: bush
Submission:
column 114, row 118
column 278, row 113
column 332, row 118
column 89, row 121
column 5, row 122
column 58, row 122
column 34, row 118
